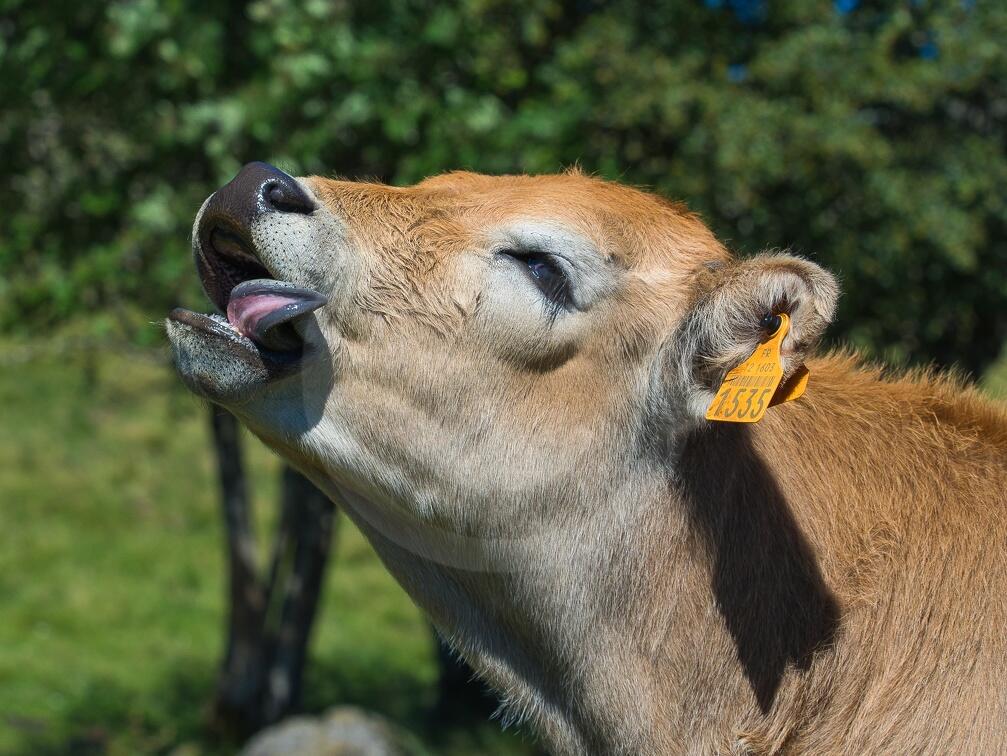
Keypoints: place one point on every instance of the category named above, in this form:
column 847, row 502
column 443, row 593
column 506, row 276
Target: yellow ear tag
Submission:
column 745, row 394
column 793, row 388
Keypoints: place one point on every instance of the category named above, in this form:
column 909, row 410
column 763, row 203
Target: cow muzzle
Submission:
column 256, row 334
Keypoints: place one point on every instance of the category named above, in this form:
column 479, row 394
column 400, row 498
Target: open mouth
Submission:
column 259, row 311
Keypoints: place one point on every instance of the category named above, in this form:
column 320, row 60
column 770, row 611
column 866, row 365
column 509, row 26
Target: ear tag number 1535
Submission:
column 747, row 390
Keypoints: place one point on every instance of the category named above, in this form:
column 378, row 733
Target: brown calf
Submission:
column 503, row 381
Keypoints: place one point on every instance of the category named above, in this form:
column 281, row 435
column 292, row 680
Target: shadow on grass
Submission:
column 412, row 702
column 109, row 718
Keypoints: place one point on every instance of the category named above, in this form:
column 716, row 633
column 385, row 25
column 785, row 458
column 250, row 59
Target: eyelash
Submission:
column 553, row 283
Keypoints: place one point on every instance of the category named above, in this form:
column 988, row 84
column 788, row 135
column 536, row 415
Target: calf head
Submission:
column 474, row 359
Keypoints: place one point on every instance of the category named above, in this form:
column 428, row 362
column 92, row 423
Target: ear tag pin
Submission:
column 750, row 389
column 793, row 388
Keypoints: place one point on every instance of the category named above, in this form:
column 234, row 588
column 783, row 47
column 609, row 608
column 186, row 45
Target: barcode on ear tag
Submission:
column 745, row 393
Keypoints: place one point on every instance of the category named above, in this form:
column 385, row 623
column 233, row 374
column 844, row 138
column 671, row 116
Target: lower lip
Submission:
column 223, row 330
column 211, row 326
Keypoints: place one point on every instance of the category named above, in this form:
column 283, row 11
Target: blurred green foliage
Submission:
column 869, row 136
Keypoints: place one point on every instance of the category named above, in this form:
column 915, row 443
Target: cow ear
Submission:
column 728, row 320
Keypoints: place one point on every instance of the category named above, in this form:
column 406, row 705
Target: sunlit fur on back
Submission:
column 630, row 577
column 885, row 500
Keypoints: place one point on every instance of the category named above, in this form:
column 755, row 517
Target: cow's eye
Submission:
column 546, row 273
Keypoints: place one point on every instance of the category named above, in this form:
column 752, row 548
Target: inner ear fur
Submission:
column 723, row 327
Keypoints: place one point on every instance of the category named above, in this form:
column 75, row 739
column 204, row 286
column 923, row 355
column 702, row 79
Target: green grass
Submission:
column 112, row 575
column 995, row 379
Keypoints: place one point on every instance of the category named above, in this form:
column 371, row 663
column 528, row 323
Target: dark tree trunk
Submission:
column 239, row 687
column 306, row 532
column 270, row 616
column 460, row 694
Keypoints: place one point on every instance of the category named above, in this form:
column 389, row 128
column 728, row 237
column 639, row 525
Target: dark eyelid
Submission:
column 523, row 254
column 559, row 295
column 529, row 250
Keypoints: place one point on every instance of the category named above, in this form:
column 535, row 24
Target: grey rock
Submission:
column 341, row 731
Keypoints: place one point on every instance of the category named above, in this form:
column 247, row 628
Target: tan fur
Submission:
column 630, row 577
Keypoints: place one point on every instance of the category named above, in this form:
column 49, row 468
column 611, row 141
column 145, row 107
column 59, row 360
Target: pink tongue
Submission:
column 244, row 313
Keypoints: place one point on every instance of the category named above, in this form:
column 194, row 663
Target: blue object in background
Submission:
column 746, row 11
column 737, row 73
column 929, row 50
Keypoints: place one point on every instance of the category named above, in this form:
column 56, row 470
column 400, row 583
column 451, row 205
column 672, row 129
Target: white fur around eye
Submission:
column 513, row 318
column 590, row 272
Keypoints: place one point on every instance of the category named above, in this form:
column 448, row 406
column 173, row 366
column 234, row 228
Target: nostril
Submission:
column 287, row 198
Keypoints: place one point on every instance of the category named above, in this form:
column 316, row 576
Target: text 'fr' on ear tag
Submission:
column 746, row 391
